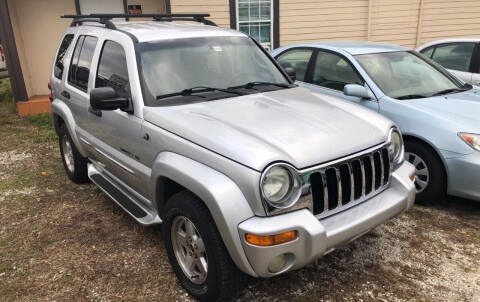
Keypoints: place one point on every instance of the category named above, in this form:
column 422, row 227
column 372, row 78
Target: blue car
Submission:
column 439, row 115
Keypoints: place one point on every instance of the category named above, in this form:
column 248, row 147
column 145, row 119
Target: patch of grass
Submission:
column 44, row 126
column 7, row 103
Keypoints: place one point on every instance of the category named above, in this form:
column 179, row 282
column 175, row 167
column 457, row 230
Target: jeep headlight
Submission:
column 473, row 140
column 280, row 186
column 396, row 148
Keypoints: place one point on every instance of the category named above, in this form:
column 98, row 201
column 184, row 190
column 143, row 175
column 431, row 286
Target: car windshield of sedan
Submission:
column 406, row 75
column 196, row 68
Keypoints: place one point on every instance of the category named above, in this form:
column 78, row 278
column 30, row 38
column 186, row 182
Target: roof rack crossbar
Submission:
column 106, row 18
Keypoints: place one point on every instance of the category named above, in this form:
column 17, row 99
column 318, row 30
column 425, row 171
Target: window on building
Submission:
column 112, row 69
column 456, row 56
column 334, row 72
column 81, row 61
column 59, row 67
column 254, row 17
column 298, row 59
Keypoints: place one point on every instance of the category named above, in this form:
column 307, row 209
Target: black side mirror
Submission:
column 291, row 73
column 105, row 98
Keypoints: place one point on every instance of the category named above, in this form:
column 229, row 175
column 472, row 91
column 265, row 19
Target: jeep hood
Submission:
column 296, row 125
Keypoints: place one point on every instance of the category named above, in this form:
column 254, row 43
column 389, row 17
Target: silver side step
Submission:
column 121, row 196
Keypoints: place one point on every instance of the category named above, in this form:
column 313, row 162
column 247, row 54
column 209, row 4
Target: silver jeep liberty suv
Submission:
column 197, row 128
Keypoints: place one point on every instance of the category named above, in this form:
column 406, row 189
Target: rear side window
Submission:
column 62, row 51
column 298, row 59
column 456, row 56
column 81, row 61
column 112, row 69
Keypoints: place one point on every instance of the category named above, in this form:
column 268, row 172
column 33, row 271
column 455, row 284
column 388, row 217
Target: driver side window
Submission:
column 298, row 59
column 334, row 72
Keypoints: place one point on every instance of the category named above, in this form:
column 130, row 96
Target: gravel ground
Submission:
column 65, row 242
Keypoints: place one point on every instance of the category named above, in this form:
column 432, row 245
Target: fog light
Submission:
column 277, row 263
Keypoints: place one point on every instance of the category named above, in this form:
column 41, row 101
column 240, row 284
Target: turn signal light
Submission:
column 412, row 177
column 270, row 240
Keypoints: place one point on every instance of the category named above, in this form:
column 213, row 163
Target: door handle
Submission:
column 66, row 94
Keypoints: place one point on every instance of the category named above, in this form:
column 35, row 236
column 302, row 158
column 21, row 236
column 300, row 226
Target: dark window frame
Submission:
column 309, row 66
column 473, row 61
column 310, row 79
column 69, row 80
column 66, row 51
column 100, row 60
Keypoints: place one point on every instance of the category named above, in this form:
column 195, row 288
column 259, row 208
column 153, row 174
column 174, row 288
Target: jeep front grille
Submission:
column 345, row 182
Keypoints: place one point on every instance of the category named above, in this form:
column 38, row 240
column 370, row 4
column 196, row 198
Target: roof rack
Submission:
column 106, row 19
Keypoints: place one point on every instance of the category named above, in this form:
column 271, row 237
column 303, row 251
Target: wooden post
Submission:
column 419, row 23
column 369, row 21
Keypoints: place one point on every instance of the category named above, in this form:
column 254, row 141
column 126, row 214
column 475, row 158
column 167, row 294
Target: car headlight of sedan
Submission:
column 396, row 148
column 473, row 140
column 280, row 186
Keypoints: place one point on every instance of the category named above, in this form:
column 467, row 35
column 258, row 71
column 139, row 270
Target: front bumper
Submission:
column 464, row 176
column 318, row 237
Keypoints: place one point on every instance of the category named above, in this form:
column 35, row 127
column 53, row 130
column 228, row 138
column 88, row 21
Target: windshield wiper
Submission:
column 411, row 96
column 253, row 84
column 199, row 89
column 452, row 90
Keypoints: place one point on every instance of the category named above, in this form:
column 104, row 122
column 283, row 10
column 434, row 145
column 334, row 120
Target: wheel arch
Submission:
column 172, row 173
column 63, row 115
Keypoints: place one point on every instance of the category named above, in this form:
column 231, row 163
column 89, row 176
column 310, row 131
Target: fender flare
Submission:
column 61, row 109
column 220, row 194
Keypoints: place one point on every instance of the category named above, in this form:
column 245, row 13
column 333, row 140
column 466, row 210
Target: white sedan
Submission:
column 461, row 56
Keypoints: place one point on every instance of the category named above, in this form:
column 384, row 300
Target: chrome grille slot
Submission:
column 342, row 183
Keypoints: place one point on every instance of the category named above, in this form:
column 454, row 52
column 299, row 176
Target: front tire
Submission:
column 196, row 250
column 75, row 165
column 430, row 177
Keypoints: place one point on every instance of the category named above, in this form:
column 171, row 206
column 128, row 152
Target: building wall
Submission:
column 404, row 22
column 218, row 9
column 38, row 30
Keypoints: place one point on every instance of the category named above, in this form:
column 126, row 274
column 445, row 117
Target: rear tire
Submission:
column 430, row 177
column 75, row 165
column 222, row 280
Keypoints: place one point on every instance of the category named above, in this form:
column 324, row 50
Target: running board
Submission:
column 127, row 202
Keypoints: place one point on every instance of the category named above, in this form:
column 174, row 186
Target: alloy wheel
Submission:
column 68, row 154
column 189, row 249
column 422, row 174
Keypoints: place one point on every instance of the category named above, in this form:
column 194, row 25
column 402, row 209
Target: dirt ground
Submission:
column 65, row 242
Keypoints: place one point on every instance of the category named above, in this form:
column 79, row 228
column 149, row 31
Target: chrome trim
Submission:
column 381, row 168
column 325, row 191
column 372, row 164
column 128, row 170
column 85, row 141
column 339, row 187
column 352, row 182
column 364, row 182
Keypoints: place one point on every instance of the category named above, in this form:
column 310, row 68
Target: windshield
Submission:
column 173, row 66
column 407, row 75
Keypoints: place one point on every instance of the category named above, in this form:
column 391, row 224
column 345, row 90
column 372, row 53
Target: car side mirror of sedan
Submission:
column 105, row 98
column 357, row 91
column 291, row 73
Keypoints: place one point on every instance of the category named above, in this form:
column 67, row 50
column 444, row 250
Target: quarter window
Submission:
column 255, row 19
column 455, row 56
column 112, row 69
column 81, row 62
column 298, row 59
column 428, row 52
column 62, row 51
column 334, row 72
